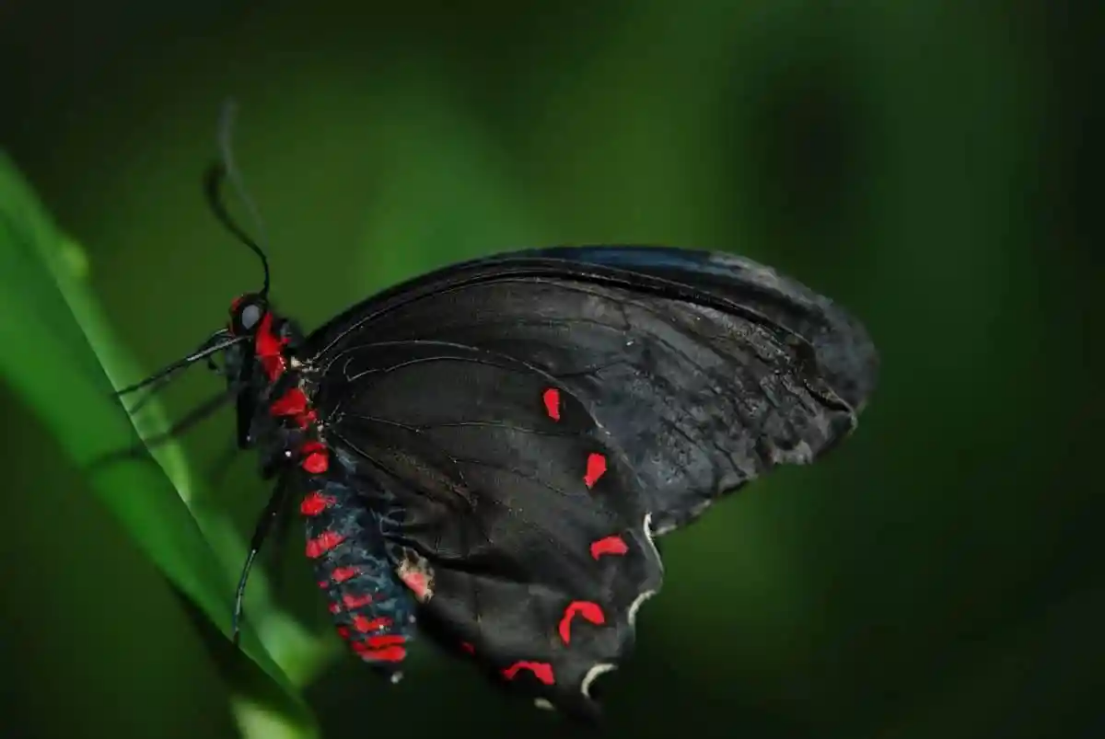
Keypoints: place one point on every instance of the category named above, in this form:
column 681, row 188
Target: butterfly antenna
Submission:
column 225, row 168
column 218, row 342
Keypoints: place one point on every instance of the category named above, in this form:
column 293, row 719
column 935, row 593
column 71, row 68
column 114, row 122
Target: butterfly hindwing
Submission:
column 522, row 530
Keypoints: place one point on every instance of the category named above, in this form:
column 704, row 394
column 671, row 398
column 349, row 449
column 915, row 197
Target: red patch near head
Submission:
column 322, row 543
column 542, row 670
column 596, row 468
column 269, row 349
column 610, row 545
column 314, row 503
column 590, row 611
column 551, row 399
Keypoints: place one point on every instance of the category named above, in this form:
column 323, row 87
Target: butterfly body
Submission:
column 484, row 455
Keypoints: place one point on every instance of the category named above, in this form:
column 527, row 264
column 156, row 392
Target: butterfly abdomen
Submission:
column 372, row 611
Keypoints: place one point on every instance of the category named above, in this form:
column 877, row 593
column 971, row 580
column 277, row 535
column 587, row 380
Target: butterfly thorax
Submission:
column 275, row 413
column 372, row 610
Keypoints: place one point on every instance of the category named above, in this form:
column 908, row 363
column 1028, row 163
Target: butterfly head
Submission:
column 246, row 312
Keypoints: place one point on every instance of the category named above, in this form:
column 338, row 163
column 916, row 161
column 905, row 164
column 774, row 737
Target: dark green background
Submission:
column 928, row 164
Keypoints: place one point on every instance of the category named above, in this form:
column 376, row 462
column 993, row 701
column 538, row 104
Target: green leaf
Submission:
column 58, row 353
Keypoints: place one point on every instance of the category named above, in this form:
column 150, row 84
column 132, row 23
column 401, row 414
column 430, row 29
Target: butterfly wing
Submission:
column 844, row 351
column 704, row 369
column 516, row 523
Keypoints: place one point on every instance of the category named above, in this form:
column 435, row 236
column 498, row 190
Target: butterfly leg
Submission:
column 260, row 532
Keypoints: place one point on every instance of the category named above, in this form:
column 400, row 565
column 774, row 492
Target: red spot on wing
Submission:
column 335, row 608
column 590, row 611
column 541, row 670
column 596, row 468
column 417, row 582
column 364, row 625
column 343, row 632
column 552, row 403
column 610, row 545
column 324, row 542
column 316, row 459
column 385, row 640
column 315, row 503
column 356, row 601
column 341, row 574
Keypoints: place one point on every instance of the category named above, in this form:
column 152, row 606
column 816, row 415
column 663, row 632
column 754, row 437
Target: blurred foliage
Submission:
column 925, row 163
column 55, row 349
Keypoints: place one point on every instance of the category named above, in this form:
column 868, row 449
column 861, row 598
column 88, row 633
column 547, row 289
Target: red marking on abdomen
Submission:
column 387, row 654
column 341, row 574
column 596, row 467
column 315, row 503
column 590, row 611
column 316, row 459
column 552, row 403
column 610, row 545
column 356, row 601
column 364, row 625
column 324, row 542
column 542, row 670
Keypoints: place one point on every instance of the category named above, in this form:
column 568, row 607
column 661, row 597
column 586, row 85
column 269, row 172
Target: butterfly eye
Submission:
column 246, row 313
column 249, row 316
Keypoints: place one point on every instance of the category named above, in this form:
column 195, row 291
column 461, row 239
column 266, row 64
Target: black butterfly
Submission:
column 488, row 451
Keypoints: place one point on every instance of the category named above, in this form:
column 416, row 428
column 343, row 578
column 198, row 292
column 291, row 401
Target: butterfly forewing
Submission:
column 523, row 532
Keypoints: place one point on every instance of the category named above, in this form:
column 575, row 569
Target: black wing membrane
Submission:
column 705, row 369
column 517, row 524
